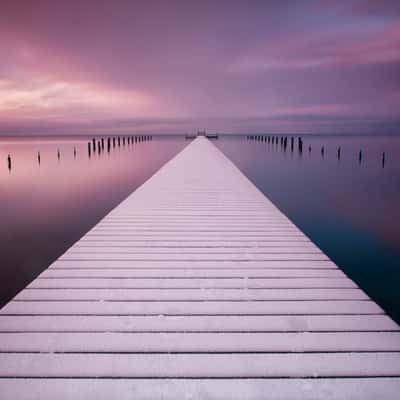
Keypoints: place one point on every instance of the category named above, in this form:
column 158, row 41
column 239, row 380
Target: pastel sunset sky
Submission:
column 320, row 66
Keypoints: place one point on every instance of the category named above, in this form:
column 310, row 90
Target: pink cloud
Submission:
column 158, row 66
column 316, row 49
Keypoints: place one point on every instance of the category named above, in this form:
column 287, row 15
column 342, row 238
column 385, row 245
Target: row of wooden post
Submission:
column 113, row 142
column 283, row 140
column 98, row 144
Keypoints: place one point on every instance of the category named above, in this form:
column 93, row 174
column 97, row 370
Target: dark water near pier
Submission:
column 350, row 208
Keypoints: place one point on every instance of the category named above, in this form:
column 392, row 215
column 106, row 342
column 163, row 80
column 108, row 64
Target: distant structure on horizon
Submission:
column 207, row 135
column 201, row 133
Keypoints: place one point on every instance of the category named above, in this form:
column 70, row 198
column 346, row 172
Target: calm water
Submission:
column 349, row 208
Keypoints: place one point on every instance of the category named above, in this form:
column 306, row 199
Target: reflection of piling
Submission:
column 123, row 141
column 9, row 162
column 291, row 144
column 102, row 143
column 94, row 144
column 339, row 151
column 38, row 157
column 285, row 143
column 58, row 154
column 89, row 149
column 383, row 159
column 99, row 147
column 119, row 141
column 74, row 152
column 300, row 143
column 108, row 144
column 309, row 148
column 360, row 157
column 114, row 142
column 322, row 151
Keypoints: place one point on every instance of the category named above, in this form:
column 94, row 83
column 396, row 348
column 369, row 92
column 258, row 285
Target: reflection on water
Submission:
column 52, row 191
column 343, row 192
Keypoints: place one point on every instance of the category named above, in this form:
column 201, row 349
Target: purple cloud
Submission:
column 173, row 66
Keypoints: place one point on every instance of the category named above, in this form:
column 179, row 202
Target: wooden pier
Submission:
column 196, row 287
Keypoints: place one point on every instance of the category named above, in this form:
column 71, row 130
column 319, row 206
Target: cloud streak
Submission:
column 174, row 66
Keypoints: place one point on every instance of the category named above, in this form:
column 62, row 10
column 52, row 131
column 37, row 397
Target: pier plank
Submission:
column 210, row 389
column 198, row 365
column 198, row 323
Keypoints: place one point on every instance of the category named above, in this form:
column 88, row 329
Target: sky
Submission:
column 298, row 66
